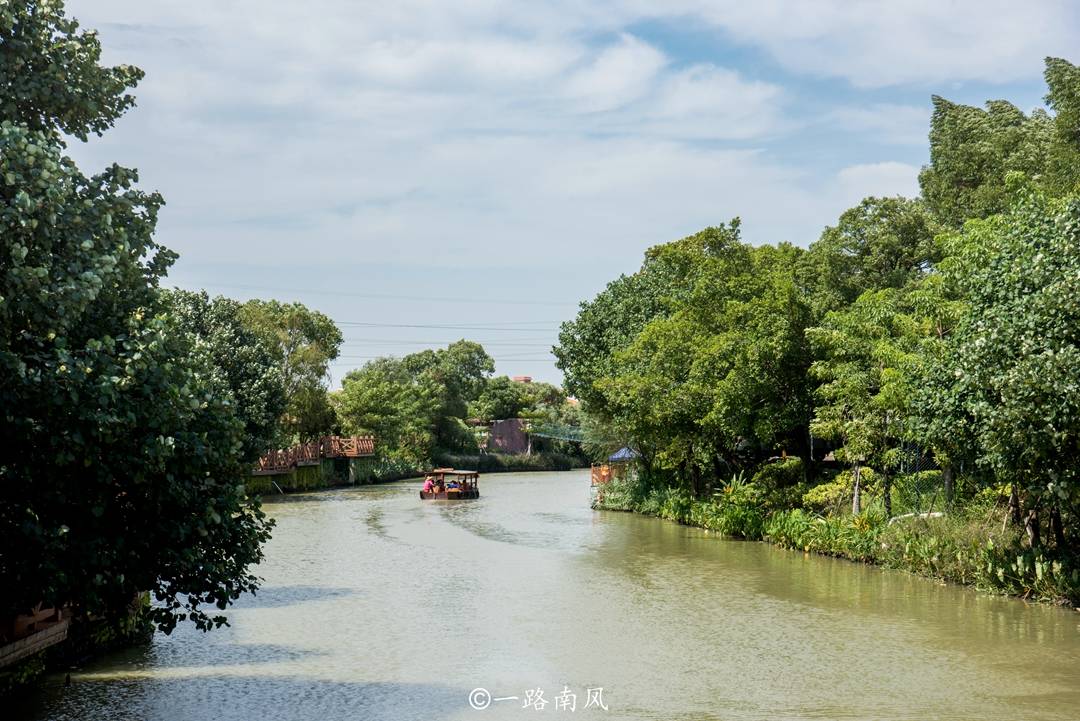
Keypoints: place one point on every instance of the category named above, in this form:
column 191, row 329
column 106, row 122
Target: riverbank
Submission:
column 970, row 545
column 344, row 472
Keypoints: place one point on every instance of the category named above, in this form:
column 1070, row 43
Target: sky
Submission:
column 427, row 171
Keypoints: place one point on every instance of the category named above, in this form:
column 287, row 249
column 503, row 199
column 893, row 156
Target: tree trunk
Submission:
column 1014, row 504
column 856, row 497
column 718, row 471
column 947, row 477
column 886, row 485
column 1056, row 528
column 1031, row 525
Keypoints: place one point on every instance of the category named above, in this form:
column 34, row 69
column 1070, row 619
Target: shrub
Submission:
column 736, row 510
column 971, row 547
column 779, row 474
column 790, row 529
column 853, row 537
column 918, row 492
column 834, row 495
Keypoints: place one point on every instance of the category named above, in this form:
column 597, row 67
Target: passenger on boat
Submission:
column 453, row 484
column 429, row 484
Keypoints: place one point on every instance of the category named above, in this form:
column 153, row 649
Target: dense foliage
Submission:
column 921, row 355
column 244, row 361
column 124, row 463
column 303, row 342
column 433, row 403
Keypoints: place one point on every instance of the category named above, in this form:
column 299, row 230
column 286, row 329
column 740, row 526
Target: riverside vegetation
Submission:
column 133, row 414
column 930, row 345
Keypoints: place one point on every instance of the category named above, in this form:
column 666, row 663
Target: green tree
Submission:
column 880, row 243
column 460, row 371
column 125, row 473
column 1063, row 96
column 722, row 375
column 245, row 361
column 501, row 398
column 1007, row 379
column 865, row 354
column 305, row 341
column 972, row 149
column 417, row 404
column 610, row 322
column 50, row 73
column 399, row 407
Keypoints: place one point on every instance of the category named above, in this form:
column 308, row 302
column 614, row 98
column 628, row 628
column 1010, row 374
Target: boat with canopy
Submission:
column 449, row 484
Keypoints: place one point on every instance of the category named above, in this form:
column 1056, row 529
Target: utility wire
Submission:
column 390, row 296
column 364, row 324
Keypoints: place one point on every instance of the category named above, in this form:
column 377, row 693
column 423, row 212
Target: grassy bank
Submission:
column 969, row 545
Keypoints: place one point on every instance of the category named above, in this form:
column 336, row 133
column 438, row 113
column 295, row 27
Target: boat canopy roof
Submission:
column 453, row 472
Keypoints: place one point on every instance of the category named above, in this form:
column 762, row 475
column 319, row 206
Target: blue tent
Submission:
column 623, row 455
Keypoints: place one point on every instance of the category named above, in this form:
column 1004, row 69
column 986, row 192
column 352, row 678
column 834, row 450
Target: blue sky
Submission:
column 409, row 166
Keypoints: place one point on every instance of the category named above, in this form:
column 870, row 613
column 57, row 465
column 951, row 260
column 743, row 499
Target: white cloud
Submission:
column 888, row 178
column 710, row 102
column 889, row 123
column 537, row 137
column 617, row 76
column 875, row 43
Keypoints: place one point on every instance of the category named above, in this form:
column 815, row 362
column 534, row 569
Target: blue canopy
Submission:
column 622, row 455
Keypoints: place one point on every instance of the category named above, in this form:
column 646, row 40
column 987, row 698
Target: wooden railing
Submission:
column 601, row 475
column 310, row 454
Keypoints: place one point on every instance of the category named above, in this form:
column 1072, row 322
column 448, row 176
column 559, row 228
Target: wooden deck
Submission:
column 32, row 633
column 311, row 454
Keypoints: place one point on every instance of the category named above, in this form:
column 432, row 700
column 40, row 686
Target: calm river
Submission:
column 378, row 606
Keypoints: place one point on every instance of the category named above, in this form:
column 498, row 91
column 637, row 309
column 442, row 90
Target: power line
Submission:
column 554, row 323
column 443, row 326
column 390, row 296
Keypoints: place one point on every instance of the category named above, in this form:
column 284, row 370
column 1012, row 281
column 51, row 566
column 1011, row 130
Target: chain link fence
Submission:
column 918, row 486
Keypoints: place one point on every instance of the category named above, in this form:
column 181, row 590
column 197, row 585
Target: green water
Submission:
column 378, row 606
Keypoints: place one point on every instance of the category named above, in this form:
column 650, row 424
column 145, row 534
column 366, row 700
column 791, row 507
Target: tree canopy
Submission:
column 941, row 326
column 126, row 468
column 245, row 361
column 304, row 341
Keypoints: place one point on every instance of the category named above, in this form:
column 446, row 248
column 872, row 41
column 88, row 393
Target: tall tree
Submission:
column 880, row 243
column 399, row 407
column 501, row 398
column 972, row 149
column 724, row 372
column 124, row 469
column 610, row 322
column 305, row 341
column 1009, row 376
column 865, row 356
column 244, row 360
